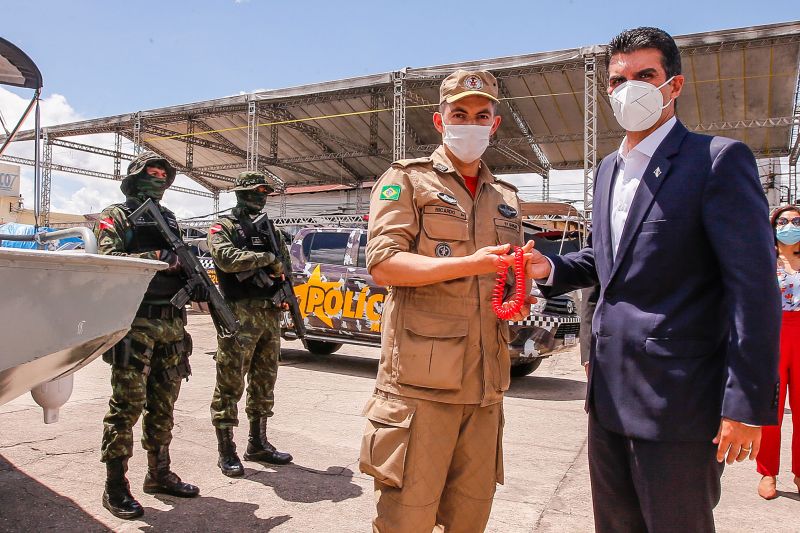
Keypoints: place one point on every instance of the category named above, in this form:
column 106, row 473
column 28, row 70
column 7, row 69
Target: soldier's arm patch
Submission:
column 390, row 192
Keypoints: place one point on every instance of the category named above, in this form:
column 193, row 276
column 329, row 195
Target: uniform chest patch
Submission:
column 507, row 211
column 443, row 250
column 443, row 196
column 440, row 167
column 390, row 192
column 256, row 241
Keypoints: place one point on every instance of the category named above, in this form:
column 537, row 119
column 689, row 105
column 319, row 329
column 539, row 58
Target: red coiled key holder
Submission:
column 505, row 310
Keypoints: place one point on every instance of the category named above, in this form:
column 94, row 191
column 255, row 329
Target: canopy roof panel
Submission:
column 741, row 83
column 17, row 69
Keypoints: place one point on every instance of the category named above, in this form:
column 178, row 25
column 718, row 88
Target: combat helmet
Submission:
column 137, row 166
column 250, row 180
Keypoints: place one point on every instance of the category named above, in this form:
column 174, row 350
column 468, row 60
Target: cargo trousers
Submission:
column 254, row 352
column 148, row 382
column 434, row 464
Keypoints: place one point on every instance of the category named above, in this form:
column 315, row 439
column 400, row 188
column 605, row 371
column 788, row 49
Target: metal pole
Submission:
column 252, row 135
column 399, row 115
column 215, row 200
column 189, row 145
column 47, row 179
column 137, row 133
column 37, row 167
column 589, row 129
column 118, row 155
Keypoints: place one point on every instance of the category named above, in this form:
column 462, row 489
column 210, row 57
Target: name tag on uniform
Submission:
column 443, row 210
column 507, row 224
column 256, row 241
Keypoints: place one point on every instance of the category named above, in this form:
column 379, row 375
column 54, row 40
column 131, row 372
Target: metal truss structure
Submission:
column 741, row 83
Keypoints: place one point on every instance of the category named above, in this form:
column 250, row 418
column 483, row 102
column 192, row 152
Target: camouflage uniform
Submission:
column 255, row 349
column 148, row 364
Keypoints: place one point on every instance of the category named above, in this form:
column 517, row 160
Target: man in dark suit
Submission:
column 684, row 350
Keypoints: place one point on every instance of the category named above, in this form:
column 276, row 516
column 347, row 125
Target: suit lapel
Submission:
column 602, row 238
column 654, row 176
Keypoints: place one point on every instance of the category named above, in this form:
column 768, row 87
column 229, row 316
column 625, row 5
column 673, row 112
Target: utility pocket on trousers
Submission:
column 430, row 350
column 385, row 442
column 499, row 471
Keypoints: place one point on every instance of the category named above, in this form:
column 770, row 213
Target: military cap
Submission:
column 463, row 83
column 247, row 181
column 137, row 166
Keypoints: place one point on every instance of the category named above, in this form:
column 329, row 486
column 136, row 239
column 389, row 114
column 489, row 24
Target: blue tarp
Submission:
column 12, row 228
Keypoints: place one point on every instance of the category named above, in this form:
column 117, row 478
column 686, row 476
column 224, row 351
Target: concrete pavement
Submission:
column 51, row 477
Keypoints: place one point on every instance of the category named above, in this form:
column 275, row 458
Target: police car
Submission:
column 341, row 304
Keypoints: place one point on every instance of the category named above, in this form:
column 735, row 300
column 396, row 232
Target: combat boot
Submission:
column 160, row 479
column 259, row 448
column 228, row 462
column 117, row 496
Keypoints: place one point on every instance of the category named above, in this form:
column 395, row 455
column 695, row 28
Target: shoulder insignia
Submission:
column 390, row 192
column 441, row 167
column 507, row 184
column 403, row 163
column 105, row 223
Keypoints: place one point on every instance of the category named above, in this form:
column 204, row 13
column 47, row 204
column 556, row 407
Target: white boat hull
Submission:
column 60, row 311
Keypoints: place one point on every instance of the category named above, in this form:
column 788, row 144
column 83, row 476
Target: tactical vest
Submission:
column 145, row 237
column 245, row 237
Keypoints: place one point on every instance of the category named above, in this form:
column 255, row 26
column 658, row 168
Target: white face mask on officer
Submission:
column 637, row 105
column 466, row 141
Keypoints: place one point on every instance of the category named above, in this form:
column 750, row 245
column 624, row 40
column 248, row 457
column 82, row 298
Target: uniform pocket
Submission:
column 507, row 231
column 430, row 351
column 499, row 471
column 503, row 358
column 385, row 442
column 444, row 227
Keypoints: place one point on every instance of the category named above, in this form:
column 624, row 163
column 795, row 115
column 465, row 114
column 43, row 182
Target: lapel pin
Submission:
column 657, row 171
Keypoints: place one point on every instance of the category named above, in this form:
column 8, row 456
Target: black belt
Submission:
column 122, row 356
column 164, row 312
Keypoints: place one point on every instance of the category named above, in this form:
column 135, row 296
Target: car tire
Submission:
column 322, row 347
column 523, row 369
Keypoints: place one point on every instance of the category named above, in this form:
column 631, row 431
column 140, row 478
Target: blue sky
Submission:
column 106, row 57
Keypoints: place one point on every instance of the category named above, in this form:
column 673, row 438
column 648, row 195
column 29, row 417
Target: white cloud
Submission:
column 78, row 194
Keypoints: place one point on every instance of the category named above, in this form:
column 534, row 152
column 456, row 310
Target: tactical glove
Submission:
column 200, row 293
column 266, row 259
column 276, row 267
column 170, row 258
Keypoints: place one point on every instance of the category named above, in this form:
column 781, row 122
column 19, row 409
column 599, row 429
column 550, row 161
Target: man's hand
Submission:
column 200, row 293
column 525, row 310
column 488, row 259
column 737, row 440
column 536, row 265
column 586, row 368
column 170, row 258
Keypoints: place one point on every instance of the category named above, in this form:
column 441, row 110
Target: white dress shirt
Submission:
column 630, row 169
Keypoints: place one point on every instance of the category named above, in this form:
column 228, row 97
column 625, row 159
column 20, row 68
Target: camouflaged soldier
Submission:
column 237, row 248
column 148, row 364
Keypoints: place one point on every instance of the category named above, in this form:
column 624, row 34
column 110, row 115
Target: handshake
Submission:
column 497, row 259
column 491, row 258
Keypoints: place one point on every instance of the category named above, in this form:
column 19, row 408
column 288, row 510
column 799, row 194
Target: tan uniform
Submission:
column 433, row 440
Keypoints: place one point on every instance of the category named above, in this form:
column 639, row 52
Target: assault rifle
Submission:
column 224, row 320
column 284, row 289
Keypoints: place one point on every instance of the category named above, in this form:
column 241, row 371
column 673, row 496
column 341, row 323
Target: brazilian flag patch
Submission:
column 390, row 192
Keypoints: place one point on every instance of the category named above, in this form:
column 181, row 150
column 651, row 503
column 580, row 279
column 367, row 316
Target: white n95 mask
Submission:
column 467, row 141
column 637, row 105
